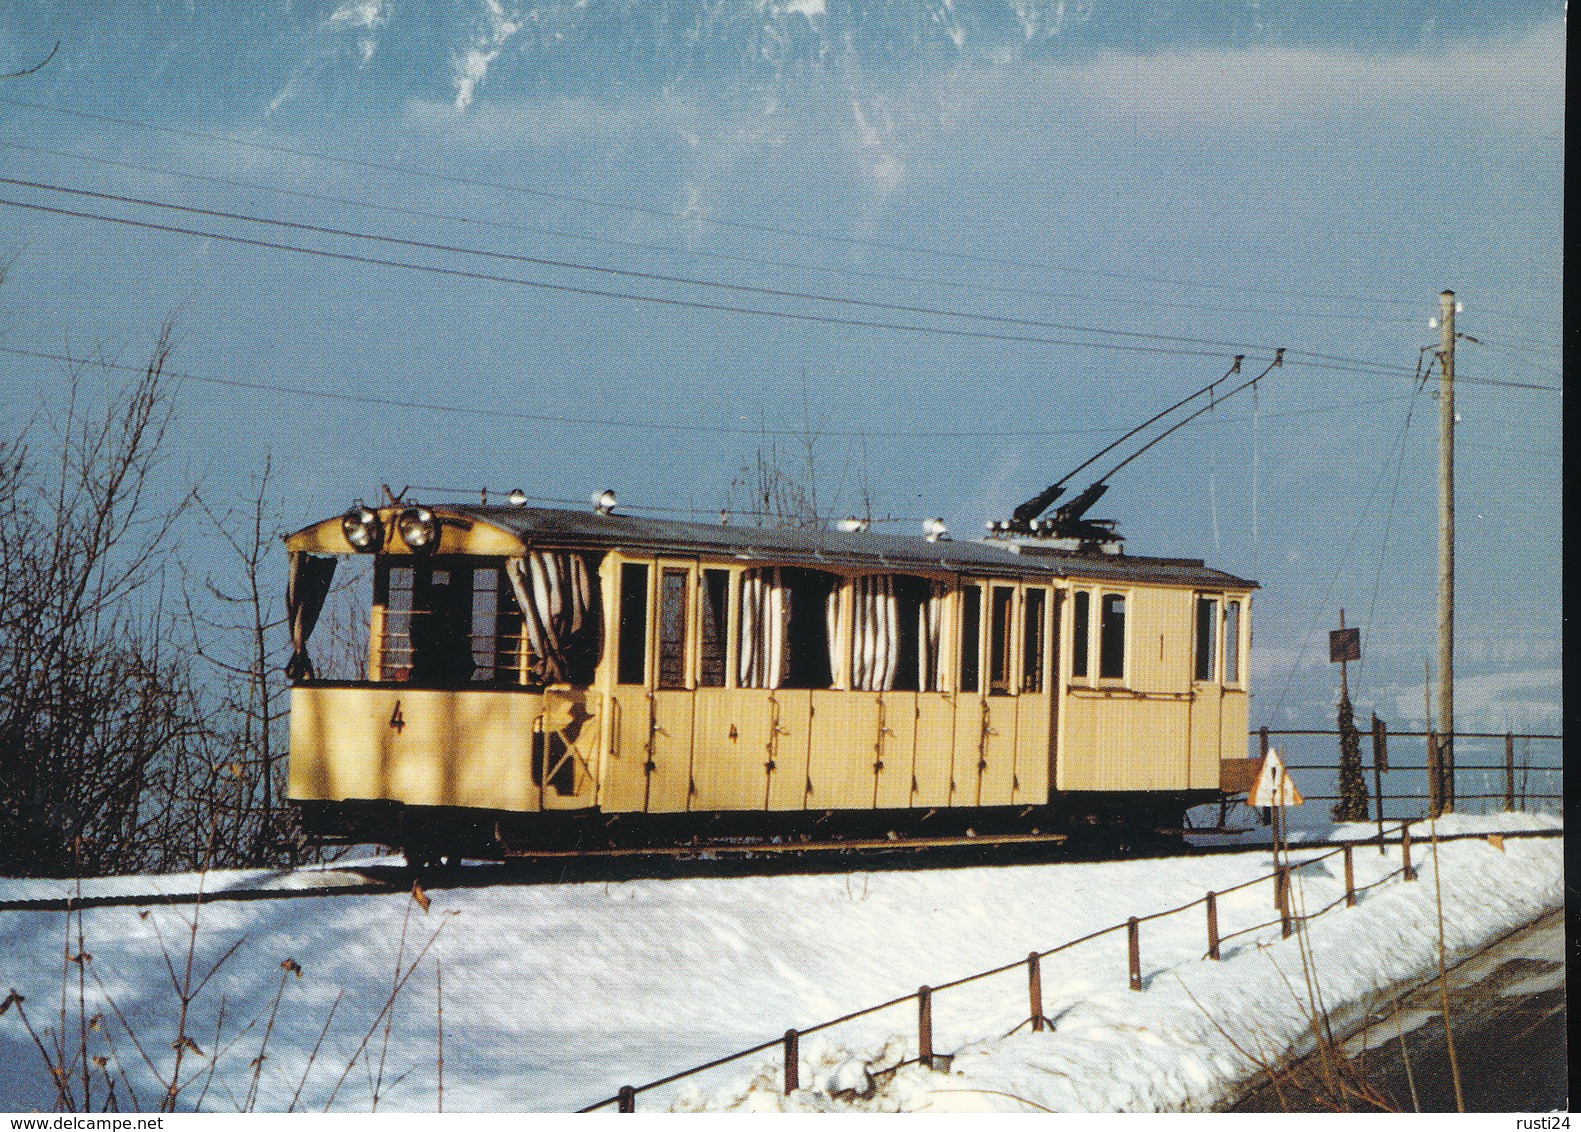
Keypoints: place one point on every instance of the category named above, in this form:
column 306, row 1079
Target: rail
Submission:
column 1288, row 920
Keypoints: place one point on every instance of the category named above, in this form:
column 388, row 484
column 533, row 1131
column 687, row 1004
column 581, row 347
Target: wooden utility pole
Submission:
column 1446, row 545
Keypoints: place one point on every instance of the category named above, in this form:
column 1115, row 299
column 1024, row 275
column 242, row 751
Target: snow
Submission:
column 556, row 995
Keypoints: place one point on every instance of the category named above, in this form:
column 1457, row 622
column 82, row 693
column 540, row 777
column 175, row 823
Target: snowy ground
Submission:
column 553, row 996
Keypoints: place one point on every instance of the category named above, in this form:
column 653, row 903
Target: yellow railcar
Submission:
column 556, row 679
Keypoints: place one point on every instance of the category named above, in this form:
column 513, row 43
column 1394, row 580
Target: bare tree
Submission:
column 90, row 698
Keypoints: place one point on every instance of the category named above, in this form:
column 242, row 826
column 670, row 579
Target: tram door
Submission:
column 1034, row 702
column 649, row 765
column 997, row 742
column 625, row 784
column 671, row 700
column 971, row 704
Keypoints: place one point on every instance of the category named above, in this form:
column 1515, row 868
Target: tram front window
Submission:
column 445, row 624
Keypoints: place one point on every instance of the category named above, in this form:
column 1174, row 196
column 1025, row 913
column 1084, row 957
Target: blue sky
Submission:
column 1115, row 197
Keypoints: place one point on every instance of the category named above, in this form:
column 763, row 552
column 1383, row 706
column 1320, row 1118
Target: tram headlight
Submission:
column 419, row 529
column 362, row 529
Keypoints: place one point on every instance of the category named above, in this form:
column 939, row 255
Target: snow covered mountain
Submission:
column 382, row 52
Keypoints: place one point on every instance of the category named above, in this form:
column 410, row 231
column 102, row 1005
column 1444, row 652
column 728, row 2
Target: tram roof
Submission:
column 501, row 529
column 820, row 546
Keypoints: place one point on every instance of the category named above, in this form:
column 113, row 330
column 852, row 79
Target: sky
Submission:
column 955, row 248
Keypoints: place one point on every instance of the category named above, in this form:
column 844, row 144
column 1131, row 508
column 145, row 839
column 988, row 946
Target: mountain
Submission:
column 327, row 54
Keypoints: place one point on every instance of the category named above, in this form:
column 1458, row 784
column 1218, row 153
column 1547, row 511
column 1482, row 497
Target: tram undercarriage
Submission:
column 431, row 834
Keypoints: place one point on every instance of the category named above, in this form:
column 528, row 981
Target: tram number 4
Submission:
column 397, row 720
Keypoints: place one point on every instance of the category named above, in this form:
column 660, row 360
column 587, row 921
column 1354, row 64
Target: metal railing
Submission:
column 1287, row 920
column 1483, row 777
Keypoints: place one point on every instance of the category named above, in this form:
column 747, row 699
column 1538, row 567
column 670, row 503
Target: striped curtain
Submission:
column 875, row 636
column 764, row 639
column 930, row 630
column 555, row 592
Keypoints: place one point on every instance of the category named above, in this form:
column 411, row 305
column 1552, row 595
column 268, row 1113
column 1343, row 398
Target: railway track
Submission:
column 727, row 859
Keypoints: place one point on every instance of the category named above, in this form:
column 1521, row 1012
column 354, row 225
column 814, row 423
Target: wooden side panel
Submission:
column 1233, row 741
column 996, row 782
column 1117, row 742
column 730, row 749
column 669, row 782
column 840, row 763
column 1031, row 784
column 624, row 786
column 1076, row 768
column 791, row 716
column 968, row 749
column 420, row 746
column 935, row 748
column 570, row 716
column 898, row 738
column 1161, row 640
column 1206, row 731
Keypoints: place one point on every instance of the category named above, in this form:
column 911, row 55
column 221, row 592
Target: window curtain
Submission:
column 875, row 637
column 306, row 589
column 555, row 592
column 930, row 634
column 764, row 639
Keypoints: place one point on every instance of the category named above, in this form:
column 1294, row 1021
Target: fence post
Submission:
column 925, row 1027
column 1380, row 763
column 1133, row 939
column 1509, row 771
column 1350, row 880
column 1405, row 850
column 792, row 1061
column 1213, row 926
column 628, row 1099
column 1035, row 990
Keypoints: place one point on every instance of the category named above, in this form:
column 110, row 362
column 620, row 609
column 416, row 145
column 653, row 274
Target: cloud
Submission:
column 360, row 14
column 1524, row 699
column 1517, row 81
column 473, row 65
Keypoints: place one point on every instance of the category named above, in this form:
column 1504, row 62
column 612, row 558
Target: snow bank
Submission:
column 555, row 995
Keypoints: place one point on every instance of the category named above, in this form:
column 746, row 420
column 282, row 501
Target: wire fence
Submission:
column 1287, row 919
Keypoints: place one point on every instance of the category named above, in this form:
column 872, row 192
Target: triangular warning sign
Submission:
column 1273, row 786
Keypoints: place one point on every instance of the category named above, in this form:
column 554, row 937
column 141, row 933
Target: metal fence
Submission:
column 1492, row 770
column 1286, row 918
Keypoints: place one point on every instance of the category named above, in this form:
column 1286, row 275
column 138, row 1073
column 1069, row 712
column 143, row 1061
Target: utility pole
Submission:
column 1446, row 544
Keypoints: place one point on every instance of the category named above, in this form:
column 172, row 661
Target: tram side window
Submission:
column 631, row 665
column 1002, row 610
column 1111, row 638
column 1207, row 636
column 893, row 615
column 714, row 623
column 1081, row 624
column 911, row 603
column 783, row 636
column 1232, row 642
column 811, row 656
column 971, row 635
column 1032, row 642
column 672, row 628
